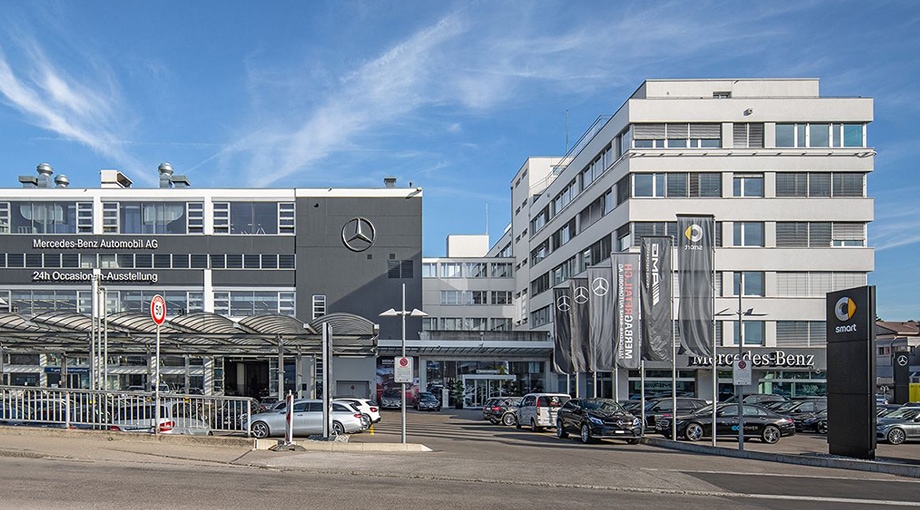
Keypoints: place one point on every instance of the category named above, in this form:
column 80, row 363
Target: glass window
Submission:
column 747, row 185
column 792, row 184
column 152, row 218
column 785, row 135
column 429, row 270
column 819, row 184
column 450, row 269
column 753, row 283
column 753, row 332
column 748, row 233
column 819, row 135
column 853, row 135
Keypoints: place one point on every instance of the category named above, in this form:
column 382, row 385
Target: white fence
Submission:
column 127, row 411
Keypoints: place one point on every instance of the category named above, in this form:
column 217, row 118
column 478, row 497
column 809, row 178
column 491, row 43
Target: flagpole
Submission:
column 673, row 356
column 715, row 368
column 642, row 389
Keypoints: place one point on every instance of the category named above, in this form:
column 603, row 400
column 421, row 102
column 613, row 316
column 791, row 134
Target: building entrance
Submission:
column 477, row 388
column 249, row 378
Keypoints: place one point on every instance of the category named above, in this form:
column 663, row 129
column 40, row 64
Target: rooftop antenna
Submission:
column 487, row 218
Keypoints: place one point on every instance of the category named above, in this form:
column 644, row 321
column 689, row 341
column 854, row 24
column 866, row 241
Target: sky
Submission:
column 450, row 96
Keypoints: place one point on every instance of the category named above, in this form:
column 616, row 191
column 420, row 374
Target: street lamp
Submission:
column 415, row 312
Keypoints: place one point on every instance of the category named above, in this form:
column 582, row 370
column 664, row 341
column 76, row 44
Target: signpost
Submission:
column 158, row 314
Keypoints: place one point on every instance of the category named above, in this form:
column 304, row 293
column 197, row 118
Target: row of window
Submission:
column 789, row 234
column 467, row 270
column 475, row 297
column 236, row 303
column 147, row 260
column 146, row 218
column 465, row 324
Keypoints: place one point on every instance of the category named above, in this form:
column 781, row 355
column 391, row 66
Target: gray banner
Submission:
column 562, row 330
column 657, row 339
column 602, row 339
column 582, row 355
column 696, row 235
column 626, row 275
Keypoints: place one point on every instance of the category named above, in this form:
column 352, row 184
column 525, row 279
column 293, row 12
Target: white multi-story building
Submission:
column 782, row 170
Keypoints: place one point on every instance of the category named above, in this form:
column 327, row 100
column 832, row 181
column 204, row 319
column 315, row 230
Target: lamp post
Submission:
column 415, row 312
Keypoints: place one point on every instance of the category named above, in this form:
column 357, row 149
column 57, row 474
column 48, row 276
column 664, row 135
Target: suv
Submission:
column 501, row 410
column 662, row 408
column 539, row 410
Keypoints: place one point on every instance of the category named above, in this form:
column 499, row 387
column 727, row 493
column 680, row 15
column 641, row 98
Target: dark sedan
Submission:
column 501, row 410
column 597, row 418
column 427, row 402
column 758, row 421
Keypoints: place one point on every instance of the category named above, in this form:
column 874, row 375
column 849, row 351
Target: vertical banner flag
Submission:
column 562, row 338
column 626, row 275
column 603, row 341
column 657, row 336
column 696, row 241
column 582, row 357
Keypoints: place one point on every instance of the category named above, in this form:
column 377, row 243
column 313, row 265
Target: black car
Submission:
column 662, row 407
column 816, row 423
column 501, row 410
column 427, row 402
column 801, row 410
column 597, row 418
column 758, row 421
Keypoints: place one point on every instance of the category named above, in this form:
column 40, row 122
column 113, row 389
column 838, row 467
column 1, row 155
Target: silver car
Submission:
column 307, row 420
column 175, row 418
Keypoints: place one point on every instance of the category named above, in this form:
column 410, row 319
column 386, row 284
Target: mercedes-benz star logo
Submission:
column 600, row 286
column 564, row 304
column 902, row 360
column 358, row 234
column 581, row 295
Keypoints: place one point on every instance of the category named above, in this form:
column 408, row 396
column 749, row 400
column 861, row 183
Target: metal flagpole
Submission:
column 642, row 389
column 715, row 367
column 673, row 358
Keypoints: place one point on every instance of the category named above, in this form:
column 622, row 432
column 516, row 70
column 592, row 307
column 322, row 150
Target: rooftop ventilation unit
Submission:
column 42, row 181
column 61, row 181
column 389, row 182
column 114, row 179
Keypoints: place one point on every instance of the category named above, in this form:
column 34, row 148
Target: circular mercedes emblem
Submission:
column 902, row 360
column 358, row 234
column 581, row 295
column 563, row 303
column 600, row 286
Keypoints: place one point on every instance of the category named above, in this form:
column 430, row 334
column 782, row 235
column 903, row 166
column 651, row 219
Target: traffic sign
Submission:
column 402, row 369
column 741, row 373
column 158, row 309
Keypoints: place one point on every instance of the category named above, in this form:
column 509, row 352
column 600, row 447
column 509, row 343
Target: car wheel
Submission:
column 896, row 436
column 586, row 434
column 634, row 440
column 822, row 427
column 337, row 428
column 366, row 418
column 693, row 432
column 260, row 430
column 509, row 420
column 770, row 434
column 534, row 427
column 560, row 430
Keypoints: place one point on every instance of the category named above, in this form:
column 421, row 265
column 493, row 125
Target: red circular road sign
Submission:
column 158, row 309
column 403, row 362
column 742, row 364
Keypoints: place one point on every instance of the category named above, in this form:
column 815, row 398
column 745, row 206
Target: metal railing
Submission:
column 127, row 411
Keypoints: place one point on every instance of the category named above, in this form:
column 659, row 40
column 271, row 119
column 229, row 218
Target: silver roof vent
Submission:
column 44, row 175
column 389, row 182
column 166, row 171
column 61, row 181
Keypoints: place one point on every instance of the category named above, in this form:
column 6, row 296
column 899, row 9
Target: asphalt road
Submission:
column 472, row 465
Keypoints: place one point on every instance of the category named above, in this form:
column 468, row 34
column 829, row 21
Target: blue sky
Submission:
column 452, row 96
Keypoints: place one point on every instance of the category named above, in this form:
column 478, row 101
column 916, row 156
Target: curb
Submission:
column 341, row 446
column 877, row 466
column 220, row 441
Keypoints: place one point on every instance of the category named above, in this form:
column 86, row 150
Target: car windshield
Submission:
column 904, row 413
column 603, row 405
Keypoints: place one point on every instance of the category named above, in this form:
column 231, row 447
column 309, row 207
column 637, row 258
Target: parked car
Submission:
column 307, row 420
column 501, row 410
column 266, row 403
column 881, row 410
column 538, row 410
column 662, row 407
column 597, row 418
column 175, row 418
column 426, row 401
column 899, row 426
column 367, row 407
column 816, row 423
column 758, row 421
column 800, row 410
column 632, row 406
column 757, row 398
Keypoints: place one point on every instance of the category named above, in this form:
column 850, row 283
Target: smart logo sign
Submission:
column 848, row 316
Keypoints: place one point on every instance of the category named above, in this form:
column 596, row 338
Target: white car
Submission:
column 367, row 407
column 175, row 418
column 308, row 420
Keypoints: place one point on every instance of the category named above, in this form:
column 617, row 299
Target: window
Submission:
column 152, row 218
column 677, row 136
column 848, row 185
column 450, row 269
column 429, row 270
column 540, row 284
column 319, row 305
column 476, row 270
column 539, row 221
column 564, row 197
column 501, row 269
column 4, row 217
column 747, row 185
column 748, row 135
column 748, row 233
column 254, row 218
column 84, row 217
column 501, row 324
column 45, row 217
column 475, row 324
column 754, row 332
column 451, row 324
column 195, row 214
column 221, row 218
column 479, row 297
column 501, row 297
column 451, row 297
column 753, row 283
column 286, row 217
column 792, row 184
column 648, row 185
column 563, row 235
column 541, row 316
column 402, row 269
column 848, row 234
column 540, row 252
column 820, row 135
